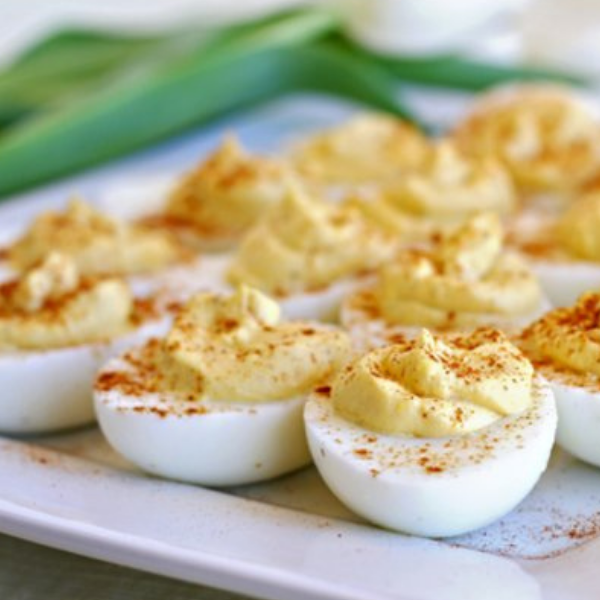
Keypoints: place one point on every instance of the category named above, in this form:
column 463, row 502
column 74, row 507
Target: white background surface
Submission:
column 563, row 33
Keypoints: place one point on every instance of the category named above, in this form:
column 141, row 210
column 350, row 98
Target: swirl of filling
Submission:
column 368, row 148
column 577, row 229
column 547, row 138
column 430, row 387
column 96, row 243
column 51, row 306
column 227, row 193
column 464, row 277
column 305, row 244
column 452, row 185
column 235, row 348
column 569, row 336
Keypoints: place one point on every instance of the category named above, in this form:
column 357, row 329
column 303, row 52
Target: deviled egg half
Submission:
column 464, row 280
column 219, row 400
column 434, row 437
column 564, row 346
column 213, row 205
column 99, row 245
column 448, row 187
column 367, row 149
column 564, row 251
column 309, row 254
column 56, row 329
column 547, row 136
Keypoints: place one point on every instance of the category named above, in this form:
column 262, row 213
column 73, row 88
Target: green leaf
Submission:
column 134, row 118
column 466, row 74
column 202, row 85
column 69, row 66
column 99, row 96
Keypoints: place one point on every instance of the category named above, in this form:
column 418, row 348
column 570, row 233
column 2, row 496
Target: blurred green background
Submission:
column 77, row 97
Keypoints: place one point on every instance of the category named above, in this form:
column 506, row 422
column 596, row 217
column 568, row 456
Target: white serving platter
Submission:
column 287, row 539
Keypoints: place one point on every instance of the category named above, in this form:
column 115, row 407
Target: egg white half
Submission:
column 323, row 305
column 49, row 390
column 8, row 235
column 578, row 420
column 434, row 487
column 176, row 284
column 211, row 443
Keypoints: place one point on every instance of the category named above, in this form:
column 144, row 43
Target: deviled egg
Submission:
column 219, row 400
column 448, row 187
column 56, row 329
column 309, row 254
column 367, row 149
column 99, row 244
column 213, row 205
column 564, row 251
column 547, row 136
column 434, row 437
column 564, row 345
column 464, row 280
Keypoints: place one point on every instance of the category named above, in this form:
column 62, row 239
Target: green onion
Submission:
column 73, row 65
column 80, row 98
column 192, row 89
column 466, row 74
column 62, row 65
column 136, row 117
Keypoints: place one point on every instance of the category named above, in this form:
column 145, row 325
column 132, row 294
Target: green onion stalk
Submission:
column 80, row 98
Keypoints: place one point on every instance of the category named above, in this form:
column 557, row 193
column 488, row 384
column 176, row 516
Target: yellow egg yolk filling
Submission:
column 433, row 388
column 237, row 349
column 306, row 244
column 463, row 276
column 51, row 306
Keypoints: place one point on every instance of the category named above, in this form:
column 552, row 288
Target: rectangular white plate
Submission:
column 289, row 538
